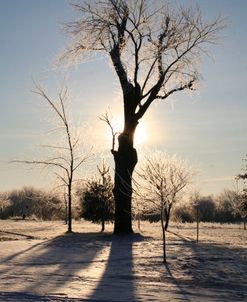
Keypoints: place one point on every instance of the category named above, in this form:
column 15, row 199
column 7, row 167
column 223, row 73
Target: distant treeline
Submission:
column 222, row 208
column 31, row 203
column 38, row 204
column 209, row 209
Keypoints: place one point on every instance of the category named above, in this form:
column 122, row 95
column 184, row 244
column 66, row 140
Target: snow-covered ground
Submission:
column 39, row 262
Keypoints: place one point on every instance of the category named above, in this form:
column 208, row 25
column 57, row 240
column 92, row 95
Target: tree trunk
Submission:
column 66, row 209
column 167, row 214
column 163, row 236
column 125, row 160
column 102, row 226
column 69, row 210
column 139, row 220
column 197, row 224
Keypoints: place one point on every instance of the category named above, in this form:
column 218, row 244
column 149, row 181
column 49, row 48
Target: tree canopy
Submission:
column 153, row 46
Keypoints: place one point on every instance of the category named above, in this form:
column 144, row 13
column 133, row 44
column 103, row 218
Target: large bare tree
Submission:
column 154, row 51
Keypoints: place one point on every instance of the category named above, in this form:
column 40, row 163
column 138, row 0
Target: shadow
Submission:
column 18, row 234
column 181, row 289
column 181, row 237
column 117, row 281
column 50, row 265
column 16, row 255
column 17, row 297
column 207, row 271
column 105, row 267
column 219, row 271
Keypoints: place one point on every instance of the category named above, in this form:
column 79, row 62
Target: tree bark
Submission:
column 125, row 161
column 102, row 226
column 197, row 224
column 167, row 216
column 163, row 236
column 139, row 220
column 69, row 209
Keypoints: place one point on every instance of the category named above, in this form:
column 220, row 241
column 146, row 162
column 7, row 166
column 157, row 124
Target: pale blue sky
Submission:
column 208, row 127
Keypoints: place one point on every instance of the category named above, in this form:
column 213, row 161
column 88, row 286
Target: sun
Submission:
column 141, row 135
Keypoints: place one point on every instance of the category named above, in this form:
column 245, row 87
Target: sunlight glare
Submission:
column 141, row 135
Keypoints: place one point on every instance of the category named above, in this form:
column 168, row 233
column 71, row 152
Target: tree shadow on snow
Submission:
column 48, row 267
column 18, row 234
column 45, row 267
column 180, row 236
column 117, row 282
column 206, row 271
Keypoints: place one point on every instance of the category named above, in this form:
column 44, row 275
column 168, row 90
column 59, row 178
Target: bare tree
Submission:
column 236, row 201
column 194, row 200
column 164, row 179
column 241, row 205
column 68, row 158
column 244, row 175
column 154, row 51
column 105, row 118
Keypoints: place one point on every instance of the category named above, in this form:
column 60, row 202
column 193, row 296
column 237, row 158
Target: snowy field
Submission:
column 39, row 262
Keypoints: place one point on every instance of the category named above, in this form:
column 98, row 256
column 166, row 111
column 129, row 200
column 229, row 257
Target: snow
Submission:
column 39, row 262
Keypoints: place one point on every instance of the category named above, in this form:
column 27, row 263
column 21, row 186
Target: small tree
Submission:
column 5, row 206
column 244, row 175
column 68, row 156
column 194, row 201
column 239, row 206
column 226, row 206
column 242, row 200
column 164, row 179
column 206, row 208
column 137, row 210
column 97, row 199
column 242, row 206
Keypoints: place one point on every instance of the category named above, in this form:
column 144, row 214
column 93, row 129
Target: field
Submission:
column 39, row 262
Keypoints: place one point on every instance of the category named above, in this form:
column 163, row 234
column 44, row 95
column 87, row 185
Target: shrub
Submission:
column 29, row 202
column 97, row 200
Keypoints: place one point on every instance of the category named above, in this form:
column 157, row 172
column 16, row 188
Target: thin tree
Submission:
column 154, row 51
column 241, row 204
column 68, row 158
column 244, row 175
column 164, row 179
column 194, row 201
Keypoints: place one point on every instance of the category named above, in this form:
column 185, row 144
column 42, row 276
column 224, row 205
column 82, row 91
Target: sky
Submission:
column 207, row 127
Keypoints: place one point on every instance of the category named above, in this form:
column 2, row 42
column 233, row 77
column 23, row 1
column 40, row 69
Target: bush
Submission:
column 183, row 214
column 29, row 202
column 5, row 207
column 97, row 201
column 226, row 207
column 222, row 208
column 206, row 209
